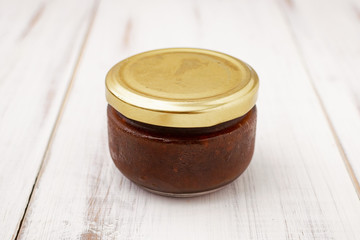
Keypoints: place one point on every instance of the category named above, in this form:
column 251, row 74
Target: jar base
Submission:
column 182, row 195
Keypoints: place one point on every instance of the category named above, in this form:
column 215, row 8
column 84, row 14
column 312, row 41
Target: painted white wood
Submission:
column 328, row 35
column 39, row 44
column 297, row 186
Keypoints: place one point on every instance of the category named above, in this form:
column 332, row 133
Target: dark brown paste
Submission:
column 181, row 160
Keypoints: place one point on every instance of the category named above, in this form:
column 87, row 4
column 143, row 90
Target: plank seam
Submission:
column 60, row 113
column 342, row 152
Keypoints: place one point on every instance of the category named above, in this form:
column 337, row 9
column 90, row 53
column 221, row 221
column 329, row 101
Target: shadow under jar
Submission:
column 181, row 122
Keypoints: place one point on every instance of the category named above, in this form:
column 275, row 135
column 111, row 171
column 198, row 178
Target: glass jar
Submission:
column 181, row 122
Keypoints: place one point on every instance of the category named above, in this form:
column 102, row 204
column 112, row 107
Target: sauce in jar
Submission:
column 181, row 122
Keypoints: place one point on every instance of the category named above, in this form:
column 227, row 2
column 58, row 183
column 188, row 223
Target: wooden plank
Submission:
column 297, row 186
column 327, row 34
column 39, row 46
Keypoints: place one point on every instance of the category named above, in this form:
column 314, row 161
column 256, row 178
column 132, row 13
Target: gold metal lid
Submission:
column 182, row 87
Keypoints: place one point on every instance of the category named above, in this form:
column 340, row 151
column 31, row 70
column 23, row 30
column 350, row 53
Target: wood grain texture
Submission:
column 297, row 186
column 39, row 45
column 328, row 36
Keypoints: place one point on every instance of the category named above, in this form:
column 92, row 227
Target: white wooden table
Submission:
column 57, row 180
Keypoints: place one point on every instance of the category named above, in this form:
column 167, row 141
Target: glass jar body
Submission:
column 181, row 162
